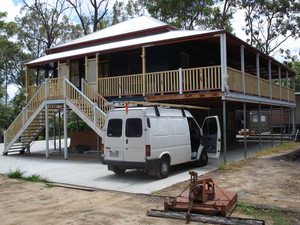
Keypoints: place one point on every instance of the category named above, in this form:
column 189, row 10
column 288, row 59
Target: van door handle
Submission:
column 126, row 141
column 108, row 147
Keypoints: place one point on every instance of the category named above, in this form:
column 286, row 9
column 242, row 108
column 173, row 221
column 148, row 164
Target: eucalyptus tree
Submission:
column 92, row 14
column 270, row 23
column 43, row 25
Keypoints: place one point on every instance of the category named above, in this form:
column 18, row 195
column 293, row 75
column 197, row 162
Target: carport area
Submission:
column 87, row 170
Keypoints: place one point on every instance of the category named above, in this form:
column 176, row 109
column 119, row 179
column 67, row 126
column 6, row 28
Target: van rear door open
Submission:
column 211, row 136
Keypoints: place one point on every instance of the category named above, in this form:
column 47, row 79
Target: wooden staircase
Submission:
column 49, row 100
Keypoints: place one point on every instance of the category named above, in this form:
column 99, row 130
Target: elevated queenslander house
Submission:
column 148, row 60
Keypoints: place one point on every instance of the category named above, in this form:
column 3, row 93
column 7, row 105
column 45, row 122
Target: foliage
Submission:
column 17, row 174
column 122, row 11
column 270, row 23
column 277, row 216
column 295, row 66
column 79, row 125
column 34, row 178
column 195, row 14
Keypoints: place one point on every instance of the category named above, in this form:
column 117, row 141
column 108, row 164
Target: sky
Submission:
column 12, row 7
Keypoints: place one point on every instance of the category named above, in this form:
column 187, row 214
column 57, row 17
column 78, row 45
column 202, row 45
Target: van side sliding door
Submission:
column 211, row 136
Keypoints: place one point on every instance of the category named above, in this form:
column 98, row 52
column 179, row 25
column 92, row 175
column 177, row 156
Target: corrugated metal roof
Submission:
column 147, row 40
column 129, row 26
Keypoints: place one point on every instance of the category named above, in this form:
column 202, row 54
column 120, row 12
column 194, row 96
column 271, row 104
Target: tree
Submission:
column 95, row 18
column 270, row 23
column 44, row 26
column 223, row 14
column 294, row 65
column 122, row 11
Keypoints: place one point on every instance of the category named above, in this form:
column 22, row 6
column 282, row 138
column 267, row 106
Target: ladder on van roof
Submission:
column 123, row 104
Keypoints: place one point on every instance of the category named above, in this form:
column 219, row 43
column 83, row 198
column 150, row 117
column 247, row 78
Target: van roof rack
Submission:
column 123, row 104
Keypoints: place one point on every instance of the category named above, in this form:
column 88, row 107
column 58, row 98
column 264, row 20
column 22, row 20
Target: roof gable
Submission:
column 137, row 26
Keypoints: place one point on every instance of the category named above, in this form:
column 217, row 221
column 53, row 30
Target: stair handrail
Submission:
column 86, row 98
column 92, row 112
column 21, row 114
column 99, row 98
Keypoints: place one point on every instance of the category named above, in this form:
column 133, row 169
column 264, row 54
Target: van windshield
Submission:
column 114, row 128
column 134, row 127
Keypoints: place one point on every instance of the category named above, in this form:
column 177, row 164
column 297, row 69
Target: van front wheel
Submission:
column 163, row 169
column 203, row 158
column 118, row 170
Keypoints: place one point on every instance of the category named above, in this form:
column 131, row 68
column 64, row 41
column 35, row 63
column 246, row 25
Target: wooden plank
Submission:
column 217, row 94
column 205, row 218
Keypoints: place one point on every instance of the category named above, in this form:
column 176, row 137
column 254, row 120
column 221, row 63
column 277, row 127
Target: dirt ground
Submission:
column 272, row 180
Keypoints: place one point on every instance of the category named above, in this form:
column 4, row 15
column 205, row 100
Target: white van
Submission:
column 155, row 138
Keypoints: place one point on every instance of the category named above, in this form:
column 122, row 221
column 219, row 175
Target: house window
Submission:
column 184, row 60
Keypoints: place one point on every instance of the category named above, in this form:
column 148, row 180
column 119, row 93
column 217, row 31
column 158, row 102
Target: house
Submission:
column 145, row 59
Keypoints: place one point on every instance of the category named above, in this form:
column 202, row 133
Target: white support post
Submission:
column 270, row 78
column 244, row 127
column 65, row 132
column 223, row 60
column 259, row 126
column 95, row 114
column 47, row 131
column 82, row 85
column 144, row 69
column 258, row 73
column 224, row 132
column 46, row 88
column 180, row 80
column 243, row 67
column 279, row 82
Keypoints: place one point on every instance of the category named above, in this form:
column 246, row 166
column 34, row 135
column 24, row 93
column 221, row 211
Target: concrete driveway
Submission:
column 87, row 170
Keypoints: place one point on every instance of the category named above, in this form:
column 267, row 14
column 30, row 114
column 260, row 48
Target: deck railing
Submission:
column 176, row 81
column 172, row 81
column 263, row 89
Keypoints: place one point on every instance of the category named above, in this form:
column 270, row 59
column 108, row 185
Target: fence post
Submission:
column 120, row 89
column 95, row 119
column 180, row 80
column 46, row 88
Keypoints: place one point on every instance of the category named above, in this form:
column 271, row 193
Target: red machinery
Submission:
column 201, row 197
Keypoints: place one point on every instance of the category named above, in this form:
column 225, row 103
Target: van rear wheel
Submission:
column 164, row 168
column 118, row 170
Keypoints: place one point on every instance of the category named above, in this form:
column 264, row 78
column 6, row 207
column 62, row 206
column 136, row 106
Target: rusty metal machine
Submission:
column 203, row 196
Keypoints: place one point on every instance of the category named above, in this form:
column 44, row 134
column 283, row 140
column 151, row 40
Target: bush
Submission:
column 82, row 126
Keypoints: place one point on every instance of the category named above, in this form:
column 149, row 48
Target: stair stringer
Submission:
column 24, row 127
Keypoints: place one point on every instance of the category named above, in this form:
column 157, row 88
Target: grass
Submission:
column 230, row 166
column 277, row 149
column 277, row 216
column 269, row 151
column 18, row 174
